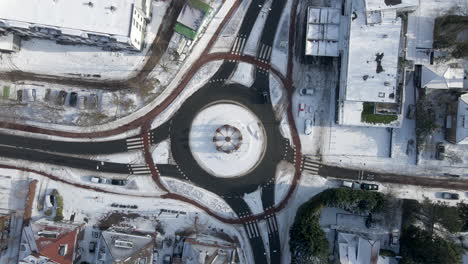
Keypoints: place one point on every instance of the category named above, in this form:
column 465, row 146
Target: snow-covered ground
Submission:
column 92, row 208
column 228, row 161
column 13, row 192
column 47, row 57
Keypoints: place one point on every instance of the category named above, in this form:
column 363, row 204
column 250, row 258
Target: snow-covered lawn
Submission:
column 251, row 140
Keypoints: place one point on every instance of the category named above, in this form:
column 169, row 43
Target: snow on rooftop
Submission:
column 369, row 47
column 108, row 17
column 372, row 5
column 442, row 76
column 323, row 31
column 462, row 120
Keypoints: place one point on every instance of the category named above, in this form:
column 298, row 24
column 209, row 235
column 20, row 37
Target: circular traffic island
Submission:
column 227, row 140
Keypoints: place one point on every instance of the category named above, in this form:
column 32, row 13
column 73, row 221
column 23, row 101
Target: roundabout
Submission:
column 229, row 147
column 227, row 140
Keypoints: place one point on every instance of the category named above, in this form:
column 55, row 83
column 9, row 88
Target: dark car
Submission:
column 92, row 247
column 118, row 182
column 60, row 100
column 440, row 150
column 19, row 95
column 73, row 99
column 450, row 196
column 47, row 95
column 369, row 187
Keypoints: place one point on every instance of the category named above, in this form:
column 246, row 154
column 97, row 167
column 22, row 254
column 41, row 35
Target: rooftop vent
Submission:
column 47, row 234
column 63, row 250
column 123, row 244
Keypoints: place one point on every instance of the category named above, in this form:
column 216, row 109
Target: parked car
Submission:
column 30, row 95
column 167, row 259
column 308, row 127
column 92, row 101
column 19, row 95
column 369, row 187
column 301, row 110
column 49, row 201
column 394, row 237
column 450, row 196
column 60, row 100
column 92, row 247
column 82, row 102
column 350, row 184
column 47, row 95
column 306, row 91
column 73, row 99
column 118, row 182
column 440, row 150
column 96, row 179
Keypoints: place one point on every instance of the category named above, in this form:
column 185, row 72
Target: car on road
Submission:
column 73, row 99
column 450, row 196
column 306, row 91
column 308, row 127
column 92, row 247
column 118, row 182
column 96, row 179
column 369, row 187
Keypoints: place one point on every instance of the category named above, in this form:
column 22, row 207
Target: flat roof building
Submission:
column 115, row 24
column 323, row 31
column 371, row 81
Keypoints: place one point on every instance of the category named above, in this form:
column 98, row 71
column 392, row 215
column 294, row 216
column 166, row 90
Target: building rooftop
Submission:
column 462, row 120
column 108, row 17
column 54, row 240
column 355, row 249
column 372, row 5
column 122, row 246
column 323, row 31
column 442, row 76
column 373, row 57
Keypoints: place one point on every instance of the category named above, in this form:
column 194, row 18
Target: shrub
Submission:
column 419, row 246
column 48, row 212
column 368, row 115
column 307, row 239
column 59, row 205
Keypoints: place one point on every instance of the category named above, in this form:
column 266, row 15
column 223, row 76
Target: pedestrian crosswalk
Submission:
column 272, row 224
column 252, row 229
column 239, row 45
column 134, row 143
column 138, row 169
column 288, row 151
column 264, row 54
column 311, row 164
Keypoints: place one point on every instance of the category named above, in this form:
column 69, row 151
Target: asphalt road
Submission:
column 85, row 147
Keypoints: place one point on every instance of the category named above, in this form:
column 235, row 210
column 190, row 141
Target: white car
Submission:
column 306, row 91
column 49, row 201
column 301, row 110
column 308, row 127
